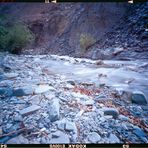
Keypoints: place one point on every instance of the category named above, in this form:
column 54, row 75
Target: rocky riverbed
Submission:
column 59, row 99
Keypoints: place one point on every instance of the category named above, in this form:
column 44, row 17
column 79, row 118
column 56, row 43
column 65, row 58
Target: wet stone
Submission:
column 111, row 111
column 6, row 92
column 18, row 93
column 139, row 98
column 23, row 91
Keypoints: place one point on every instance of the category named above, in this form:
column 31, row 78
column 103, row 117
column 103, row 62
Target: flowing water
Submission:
column 124, row 75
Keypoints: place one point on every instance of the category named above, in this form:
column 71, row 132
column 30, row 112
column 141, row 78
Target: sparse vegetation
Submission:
column 86, row 40
column 20, row 36
column 14, row 37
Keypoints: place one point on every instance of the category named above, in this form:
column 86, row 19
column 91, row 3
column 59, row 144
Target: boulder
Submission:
column 17, row 117
column 138, row 97
column 139, row 132
column 61, row 138
column 61, row 124
column 94, row 137
column 18, row 92
column 29, row 110
column 1, row 131
column 56, row 134
column 101, row 98
column 43, row 88
column 70, row 126
column 23, row 91
column 5, row 92
column 11, row 75
column 18, row 140
column 111, row 111
column 114, row 139
column 89, row 102
column 54, row 110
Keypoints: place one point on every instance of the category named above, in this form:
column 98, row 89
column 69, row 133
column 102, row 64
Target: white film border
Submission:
column 52, row 1
column 130, row 1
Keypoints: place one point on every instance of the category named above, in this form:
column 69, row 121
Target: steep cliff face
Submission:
column 58, row 27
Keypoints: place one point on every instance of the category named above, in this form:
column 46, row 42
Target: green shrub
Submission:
column 20, row 36
column 14, row 38
column 86, row 40
column 4, row 38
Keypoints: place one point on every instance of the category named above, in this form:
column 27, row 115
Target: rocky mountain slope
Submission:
column 129, row 36
column 58, row 27
column 52, row 99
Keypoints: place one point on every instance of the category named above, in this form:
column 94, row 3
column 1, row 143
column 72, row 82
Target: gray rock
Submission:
column 6, row 92
column 61, row 124
column 35, row 100
column 17, row 117
column 43, row 89
column 94, row 137
column 18, row 92
column 68, row 86
column 139, row 132
column 61, row 139
column 18, row 140
column 117, row 50
column 144, row 139
column 56, row 134
column 114, row 139
column 54, row 110
column 1, row 131
column 11, row 75
column 35, row 141
column 29, row 110
column 111, row 111
column 70, row 126
column 126, row 95
column 28, row 90
column 89, row 102
column 44, row 140
column 139, row 98
column 1, row 76
column 71, row 82
column 65, row 99
column 123, row 118
column 100, row 98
